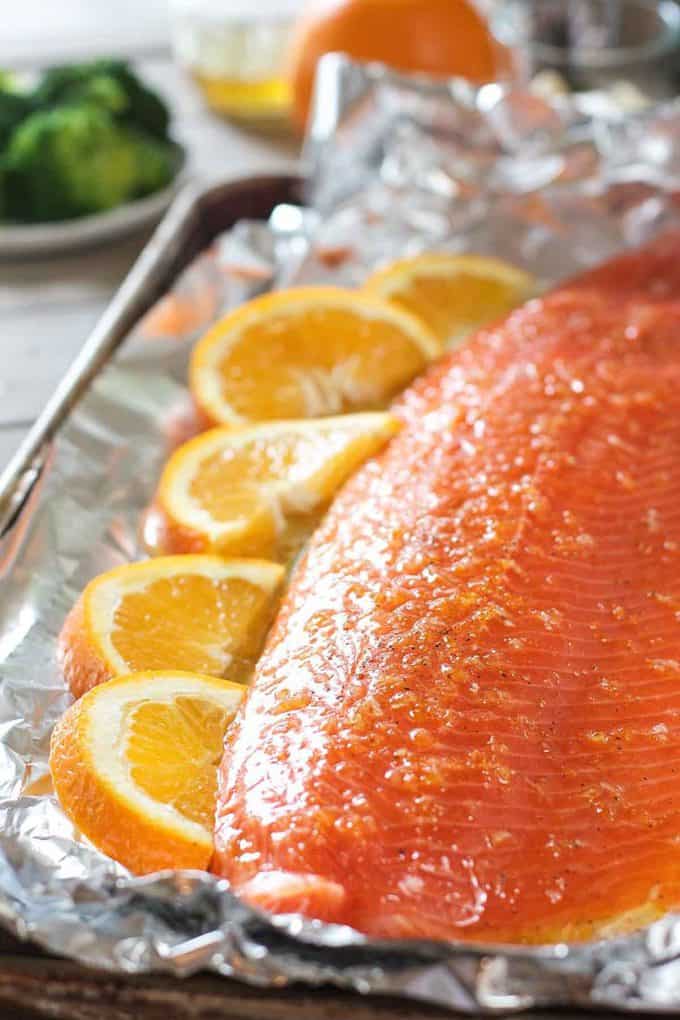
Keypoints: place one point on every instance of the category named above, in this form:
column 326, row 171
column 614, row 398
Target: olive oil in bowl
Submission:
column 235, row 50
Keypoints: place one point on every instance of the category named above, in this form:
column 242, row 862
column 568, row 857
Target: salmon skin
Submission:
column 466, row 723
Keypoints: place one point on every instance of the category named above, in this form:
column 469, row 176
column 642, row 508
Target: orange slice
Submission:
column 134, row 765
column 452, row 294
column 200, row 613
column 248, row 489
column 307, row 353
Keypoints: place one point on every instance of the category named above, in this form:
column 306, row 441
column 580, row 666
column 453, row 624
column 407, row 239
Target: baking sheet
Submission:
column 396, row 166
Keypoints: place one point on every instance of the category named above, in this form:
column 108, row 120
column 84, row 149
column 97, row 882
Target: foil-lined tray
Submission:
column 396, row 165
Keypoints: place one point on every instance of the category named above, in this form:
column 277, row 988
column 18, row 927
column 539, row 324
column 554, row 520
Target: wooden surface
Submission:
column 38, row 987
column 42, row 988
column 48, row 306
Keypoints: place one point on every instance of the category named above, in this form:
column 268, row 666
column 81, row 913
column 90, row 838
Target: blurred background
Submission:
column 252, row 62
column 36, row 32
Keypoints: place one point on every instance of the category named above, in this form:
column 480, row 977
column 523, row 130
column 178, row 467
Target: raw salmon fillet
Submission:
column 466, row 723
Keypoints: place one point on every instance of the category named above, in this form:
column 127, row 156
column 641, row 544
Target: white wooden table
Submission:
column 36, row 32
column 47, row 307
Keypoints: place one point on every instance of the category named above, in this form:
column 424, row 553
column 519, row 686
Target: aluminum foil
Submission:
column 396, row 165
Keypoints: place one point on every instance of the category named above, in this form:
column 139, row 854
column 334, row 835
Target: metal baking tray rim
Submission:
column 150, row 276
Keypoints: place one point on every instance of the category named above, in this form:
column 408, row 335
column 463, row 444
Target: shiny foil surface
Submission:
column 396, row 165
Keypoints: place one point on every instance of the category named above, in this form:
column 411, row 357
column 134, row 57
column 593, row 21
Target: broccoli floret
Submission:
column 110, row 84
column 68, row 162
column 146, row 109
column 157, row 162
column 74, row 160
column 14, row 107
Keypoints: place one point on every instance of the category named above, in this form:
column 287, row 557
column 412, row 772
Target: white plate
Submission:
column 36, row 239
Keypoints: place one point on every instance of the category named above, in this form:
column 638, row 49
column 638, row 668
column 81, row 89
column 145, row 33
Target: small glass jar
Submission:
column 235, row 50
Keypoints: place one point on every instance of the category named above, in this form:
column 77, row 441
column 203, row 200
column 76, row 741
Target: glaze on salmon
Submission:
column 466, row 724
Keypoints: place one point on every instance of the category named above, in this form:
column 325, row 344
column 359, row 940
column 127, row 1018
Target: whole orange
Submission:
column 437, row 37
